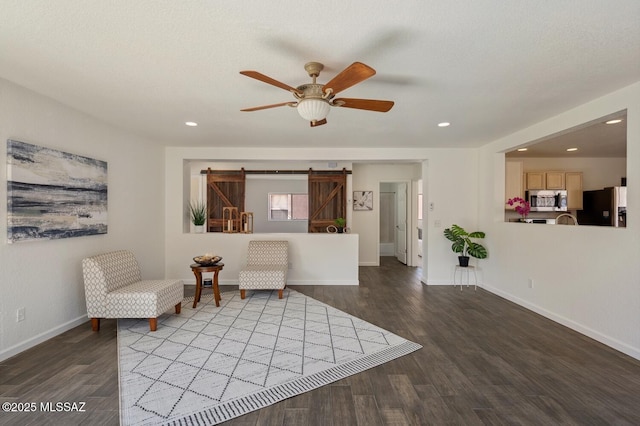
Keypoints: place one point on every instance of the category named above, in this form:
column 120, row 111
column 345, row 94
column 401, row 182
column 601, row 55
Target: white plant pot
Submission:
column 198, row 229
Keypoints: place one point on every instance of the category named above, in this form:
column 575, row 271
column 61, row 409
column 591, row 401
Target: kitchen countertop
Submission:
column 538, row 221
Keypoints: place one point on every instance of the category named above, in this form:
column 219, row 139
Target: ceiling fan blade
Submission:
column 350, row 76
column 368, row 104
column 318, row 123
column 269, row 80
column 268, row 106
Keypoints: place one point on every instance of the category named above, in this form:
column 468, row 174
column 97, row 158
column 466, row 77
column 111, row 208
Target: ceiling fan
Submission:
column 313, row 100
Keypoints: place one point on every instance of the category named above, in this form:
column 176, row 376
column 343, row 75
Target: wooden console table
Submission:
column 197, row 271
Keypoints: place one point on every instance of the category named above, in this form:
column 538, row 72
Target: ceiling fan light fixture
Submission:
column 314, row 100
column 313, row 109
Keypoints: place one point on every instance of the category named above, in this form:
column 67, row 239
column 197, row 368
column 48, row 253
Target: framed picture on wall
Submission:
column 53, row 194
column 362, row 200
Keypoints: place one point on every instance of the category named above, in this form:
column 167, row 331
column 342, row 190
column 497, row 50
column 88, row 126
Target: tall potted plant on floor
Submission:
column 198, row 210
column 463, row 244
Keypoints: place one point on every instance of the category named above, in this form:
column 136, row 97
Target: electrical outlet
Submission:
column 290, row 265
column 530, row 282
column 437, row 223
column 20, row 313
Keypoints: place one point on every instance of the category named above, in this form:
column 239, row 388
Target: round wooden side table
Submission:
column 198, row 270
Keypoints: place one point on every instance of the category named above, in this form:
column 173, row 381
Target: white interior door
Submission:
column 401, row 222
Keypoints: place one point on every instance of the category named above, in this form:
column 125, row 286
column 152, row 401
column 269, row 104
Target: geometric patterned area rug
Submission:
column 211, row 364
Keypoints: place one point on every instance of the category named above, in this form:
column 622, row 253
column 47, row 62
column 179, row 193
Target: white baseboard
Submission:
column 447, row 282
column 369, row 263
column 580, row 328
column 436, row 282
column 46, row 335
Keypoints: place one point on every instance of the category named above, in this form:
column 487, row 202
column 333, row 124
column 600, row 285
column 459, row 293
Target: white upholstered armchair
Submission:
column 114, row 289
column 267, row 265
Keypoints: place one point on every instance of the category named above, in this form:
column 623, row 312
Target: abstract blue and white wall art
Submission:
column 53, row 194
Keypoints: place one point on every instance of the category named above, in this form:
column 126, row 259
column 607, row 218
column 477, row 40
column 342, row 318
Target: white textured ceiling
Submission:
column 593, row 139
column 490, row 67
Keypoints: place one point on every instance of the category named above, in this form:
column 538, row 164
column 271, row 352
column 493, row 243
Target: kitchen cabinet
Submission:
column 513, row 181
column 517, row 181
column 536, row 180
column 555, row 180
column 545, row 180
column 573, row 182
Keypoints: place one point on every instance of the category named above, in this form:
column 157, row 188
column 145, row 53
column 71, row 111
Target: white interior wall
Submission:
column 309, row 256
column 368, row 177
column 451, row 187
column 45, row 277
column 197, row 165
column 583, row 277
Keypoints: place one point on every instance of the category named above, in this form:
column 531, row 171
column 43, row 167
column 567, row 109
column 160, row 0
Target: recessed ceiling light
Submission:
column 571, row 149
column 191, row 123
column 616, row 121
column 522, row 149
column 444, row 124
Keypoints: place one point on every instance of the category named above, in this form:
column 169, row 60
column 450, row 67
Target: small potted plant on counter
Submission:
column 198, row 212
column 462, row 244
column 340, row 223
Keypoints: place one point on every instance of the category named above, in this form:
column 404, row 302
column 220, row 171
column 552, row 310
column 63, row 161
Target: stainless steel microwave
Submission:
column 546, row 200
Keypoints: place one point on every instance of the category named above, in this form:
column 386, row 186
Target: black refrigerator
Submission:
column 604, row 207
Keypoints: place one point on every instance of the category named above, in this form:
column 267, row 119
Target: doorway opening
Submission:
column 395, row 220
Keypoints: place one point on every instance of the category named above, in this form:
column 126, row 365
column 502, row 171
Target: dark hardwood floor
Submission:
column 485, row 361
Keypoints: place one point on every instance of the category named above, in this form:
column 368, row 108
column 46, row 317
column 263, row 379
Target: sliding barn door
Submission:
column 224, row 189
column 327, row 198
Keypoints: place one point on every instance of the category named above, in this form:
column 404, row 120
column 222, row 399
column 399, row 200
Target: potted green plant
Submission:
column 198, row 210
column 340, row 223
column 463, row 244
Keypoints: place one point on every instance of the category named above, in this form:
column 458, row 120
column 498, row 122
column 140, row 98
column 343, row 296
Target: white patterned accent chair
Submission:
column 267, row 265
column 114, row 288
